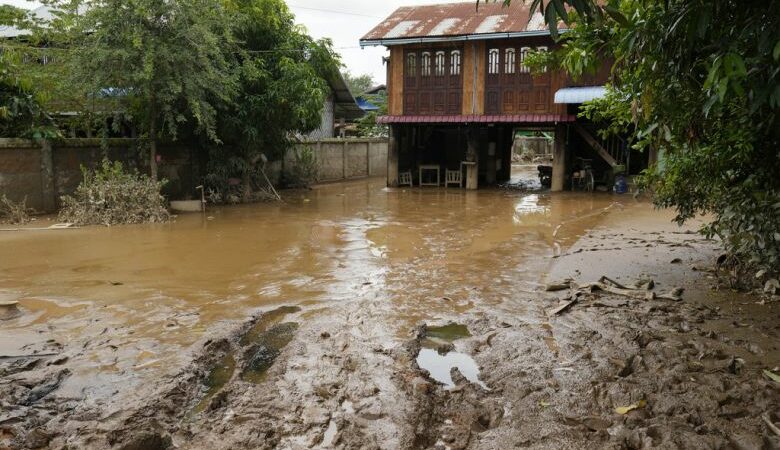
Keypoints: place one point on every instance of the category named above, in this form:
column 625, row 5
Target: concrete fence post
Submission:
column 368, row 158
column 48, row 190
column 318, row 158
column 344, row 160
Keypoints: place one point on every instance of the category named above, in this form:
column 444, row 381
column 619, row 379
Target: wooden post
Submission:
column 472, row 156
column 560, row 158
column 393, row 151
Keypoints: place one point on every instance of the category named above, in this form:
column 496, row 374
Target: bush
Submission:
column 111, row 196
column 13, row 212
column 303, row 170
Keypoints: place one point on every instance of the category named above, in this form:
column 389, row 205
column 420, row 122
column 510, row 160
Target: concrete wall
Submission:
column 42, row 172
column 345, row 159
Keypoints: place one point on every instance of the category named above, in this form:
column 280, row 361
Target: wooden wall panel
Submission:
column 468, row 78
column 481, row 61
column 474, row 78
column 395, row 83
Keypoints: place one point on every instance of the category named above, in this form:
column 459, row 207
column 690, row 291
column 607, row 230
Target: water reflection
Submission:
column 412, row 254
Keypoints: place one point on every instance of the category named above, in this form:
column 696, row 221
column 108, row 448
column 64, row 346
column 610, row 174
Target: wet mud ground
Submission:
column 357, row 317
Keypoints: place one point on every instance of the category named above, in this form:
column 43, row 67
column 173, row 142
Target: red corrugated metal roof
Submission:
column 457, row 19
column 513, row 118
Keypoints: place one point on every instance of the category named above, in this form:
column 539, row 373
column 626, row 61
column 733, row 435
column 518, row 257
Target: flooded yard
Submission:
column 300, row 324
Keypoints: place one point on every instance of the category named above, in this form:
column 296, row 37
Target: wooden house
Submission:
column 458, row 90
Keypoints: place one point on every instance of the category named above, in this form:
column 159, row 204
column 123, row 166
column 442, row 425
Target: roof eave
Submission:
column 470, row 37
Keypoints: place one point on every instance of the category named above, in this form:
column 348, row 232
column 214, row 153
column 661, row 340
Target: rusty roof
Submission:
column 431, row 23
column 466, row 119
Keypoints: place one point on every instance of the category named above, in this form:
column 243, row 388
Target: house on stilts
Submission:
column 459, row 92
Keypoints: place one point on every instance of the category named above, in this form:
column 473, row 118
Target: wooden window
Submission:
column 509, row 61
column 426, row 64
column 411, row 65
column 523, row 54
column 542, row 49
column 455, row 62
column 493, row 63
column 439, row 64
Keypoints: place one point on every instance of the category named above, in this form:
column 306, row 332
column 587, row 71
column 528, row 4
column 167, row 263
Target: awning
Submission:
column 577, row 95
column 550, row 119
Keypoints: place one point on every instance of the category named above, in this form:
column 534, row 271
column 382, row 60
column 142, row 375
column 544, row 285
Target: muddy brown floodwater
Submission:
column 355, row 316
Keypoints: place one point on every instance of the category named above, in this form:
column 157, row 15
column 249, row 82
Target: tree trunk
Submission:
column 153, row 140
column 247, row 187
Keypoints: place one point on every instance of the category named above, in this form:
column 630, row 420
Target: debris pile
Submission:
column 111, row 196
column 14, row 212
column 643, row 290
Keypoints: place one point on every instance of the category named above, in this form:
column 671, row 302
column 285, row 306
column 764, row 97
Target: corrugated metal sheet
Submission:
column 457, row 19
column 577, row 95
column 514, row 118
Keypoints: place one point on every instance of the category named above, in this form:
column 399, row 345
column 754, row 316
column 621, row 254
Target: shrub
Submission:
column 13, row 212
column 110, row 196
column 303, row 171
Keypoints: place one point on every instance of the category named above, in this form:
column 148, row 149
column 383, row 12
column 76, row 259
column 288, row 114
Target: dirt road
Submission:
column 355, row 317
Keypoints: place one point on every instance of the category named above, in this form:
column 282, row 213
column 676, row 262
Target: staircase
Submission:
column 614, row 150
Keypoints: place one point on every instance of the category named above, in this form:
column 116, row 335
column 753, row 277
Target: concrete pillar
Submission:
column 344, row 155
column 560, row 158
column 472, row 157
column 368, row 159
column 48, row 193
column 393, row 152
column 490, row 164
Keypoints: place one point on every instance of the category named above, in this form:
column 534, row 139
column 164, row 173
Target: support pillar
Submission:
column 393, row 152
column 472, row 158
column 560, row 158
column 48, row 194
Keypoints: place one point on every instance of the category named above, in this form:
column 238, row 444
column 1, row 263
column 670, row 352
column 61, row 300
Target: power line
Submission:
column 333, row 11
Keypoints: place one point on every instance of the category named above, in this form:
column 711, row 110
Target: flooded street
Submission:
column 125, row 311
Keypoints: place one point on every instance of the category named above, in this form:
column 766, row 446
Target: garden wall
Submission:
column 345, row 159
column 42, row 172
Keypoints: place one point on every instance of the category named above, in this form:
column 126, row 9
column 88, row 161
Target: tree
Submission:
column 699, row 81
column 21, row 114
column 10, row 15
column 281, row 75
column 358, row 84
column 168, row 62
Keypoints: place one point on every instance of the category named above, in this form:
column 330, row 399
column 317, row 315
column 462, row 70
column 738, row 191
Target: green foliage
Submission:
column 358, row 84
column 366, row 125
column 21, row 114
column 10, row 15
column 700, row 81
column 281, row 73
column 304, row 169
column 110, row 196
column 168, row 62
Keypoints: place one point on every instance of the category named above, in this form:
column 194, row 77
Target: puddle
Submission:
column 450, row 332
column 217, row 379
column 330, row 434
column 265, row 322
column 267, row 346
column 436, row 358
column 439, row 366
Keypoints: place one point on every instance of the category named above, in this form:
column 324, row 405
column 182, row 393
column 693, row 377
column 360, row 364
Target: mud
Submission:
column 311, row 324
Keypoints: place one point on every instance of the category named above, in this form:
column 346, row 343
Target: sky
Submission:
column 344, row 21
